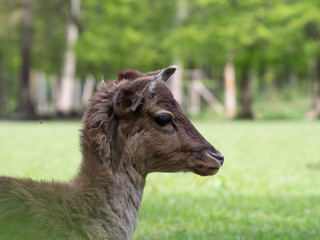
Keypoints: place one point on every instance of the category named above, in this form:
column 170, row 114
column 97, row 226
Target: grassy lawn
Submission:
column 268, row 188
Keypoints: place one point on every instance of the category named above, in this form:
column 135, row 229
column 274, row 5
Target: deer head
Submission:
column 149, row 129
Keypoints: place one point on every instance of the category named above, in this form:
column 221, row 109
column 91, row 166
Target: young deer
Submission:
column 132, row 127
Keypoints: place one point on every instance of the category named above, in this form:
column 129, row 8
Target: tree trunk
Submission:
column 25, row 108
column 4, row 89
column 65, row 103
column 315, row 76
column 176, row 82
column 246, row 95
column 317, row 95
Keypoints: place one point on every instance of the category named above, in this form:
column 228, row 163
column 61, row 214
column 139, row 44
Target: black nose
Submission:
column 219, row 157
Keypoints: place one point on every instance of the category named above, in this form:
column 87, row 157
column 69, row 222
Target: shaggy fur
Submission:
column 121, row 143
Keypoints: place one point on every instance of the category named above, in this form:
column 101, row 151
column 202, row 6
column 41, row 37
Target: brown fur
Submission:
column 121, row 143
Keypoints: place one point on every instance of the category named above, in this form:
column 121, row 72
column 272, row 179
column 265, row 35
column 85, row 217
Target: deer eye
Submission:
column 163, row 119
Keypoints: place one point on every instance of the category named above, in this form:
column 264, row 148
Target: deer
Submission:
column 132, row 127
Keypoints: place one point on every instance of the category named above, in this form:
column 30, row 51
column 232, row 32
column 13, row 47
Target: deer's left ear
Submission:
column 128, row 98
column 166, row 73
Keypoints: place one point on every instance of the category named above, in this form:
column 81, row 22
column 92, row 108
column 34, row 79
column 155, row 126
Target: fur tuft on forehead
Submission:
column 129, row 75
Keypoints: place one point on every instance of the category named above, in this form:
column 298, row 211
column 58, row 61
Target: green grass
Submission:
column 268, row 187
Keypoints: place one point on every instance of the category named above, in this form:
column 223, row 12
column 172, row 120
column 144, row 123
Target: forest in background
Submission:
column 64, row 45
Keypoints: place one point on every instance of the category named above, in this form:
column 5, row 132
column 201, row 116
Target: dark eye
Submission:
column 163, row 120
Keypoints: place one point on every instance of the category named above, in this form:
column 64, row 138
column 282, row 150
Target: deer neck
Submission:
column 118, row 191
column 127, row 196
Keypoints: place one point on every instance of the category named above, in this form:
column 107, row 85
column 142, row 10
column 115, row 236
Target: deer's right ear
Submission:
column 129, row 97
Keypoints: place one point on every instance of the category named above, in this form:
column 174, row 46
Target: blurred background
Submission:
column 249, row 59
column 255, row 59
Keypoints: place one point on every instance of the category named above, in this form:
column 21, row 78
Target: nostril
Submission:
column 219, row 157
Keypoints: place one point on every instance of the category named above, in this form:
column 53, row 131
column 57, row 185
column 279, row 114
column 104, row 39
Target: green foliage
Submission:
column 9, row 51
column 268, row 187
column 254, row 34
column 48, row 40
column 278, row 36
column 49, row 34
column 141, row 34
column 124, row 34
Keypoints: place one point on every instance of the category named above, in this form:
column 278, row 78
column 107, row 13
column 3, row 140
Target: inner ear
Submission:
column 128, row 98
column 166, row 73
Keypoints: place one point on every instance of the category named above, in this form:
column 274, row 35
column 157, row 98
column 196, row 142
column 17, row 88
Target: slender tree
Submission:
column 245, row 111
column 312, row 30
column 69, row 68
column 25, row 108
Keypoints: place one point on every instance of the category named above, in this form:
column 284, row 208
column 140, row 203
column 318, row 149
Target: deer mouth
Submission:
column 206, row 171
column 207, row 166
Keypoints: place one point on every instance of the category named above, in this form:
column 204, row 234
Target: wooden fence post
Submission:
column 88, row 89
column 77, row 97
column 176, row 83
column 41, row 94
column 230, row 90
